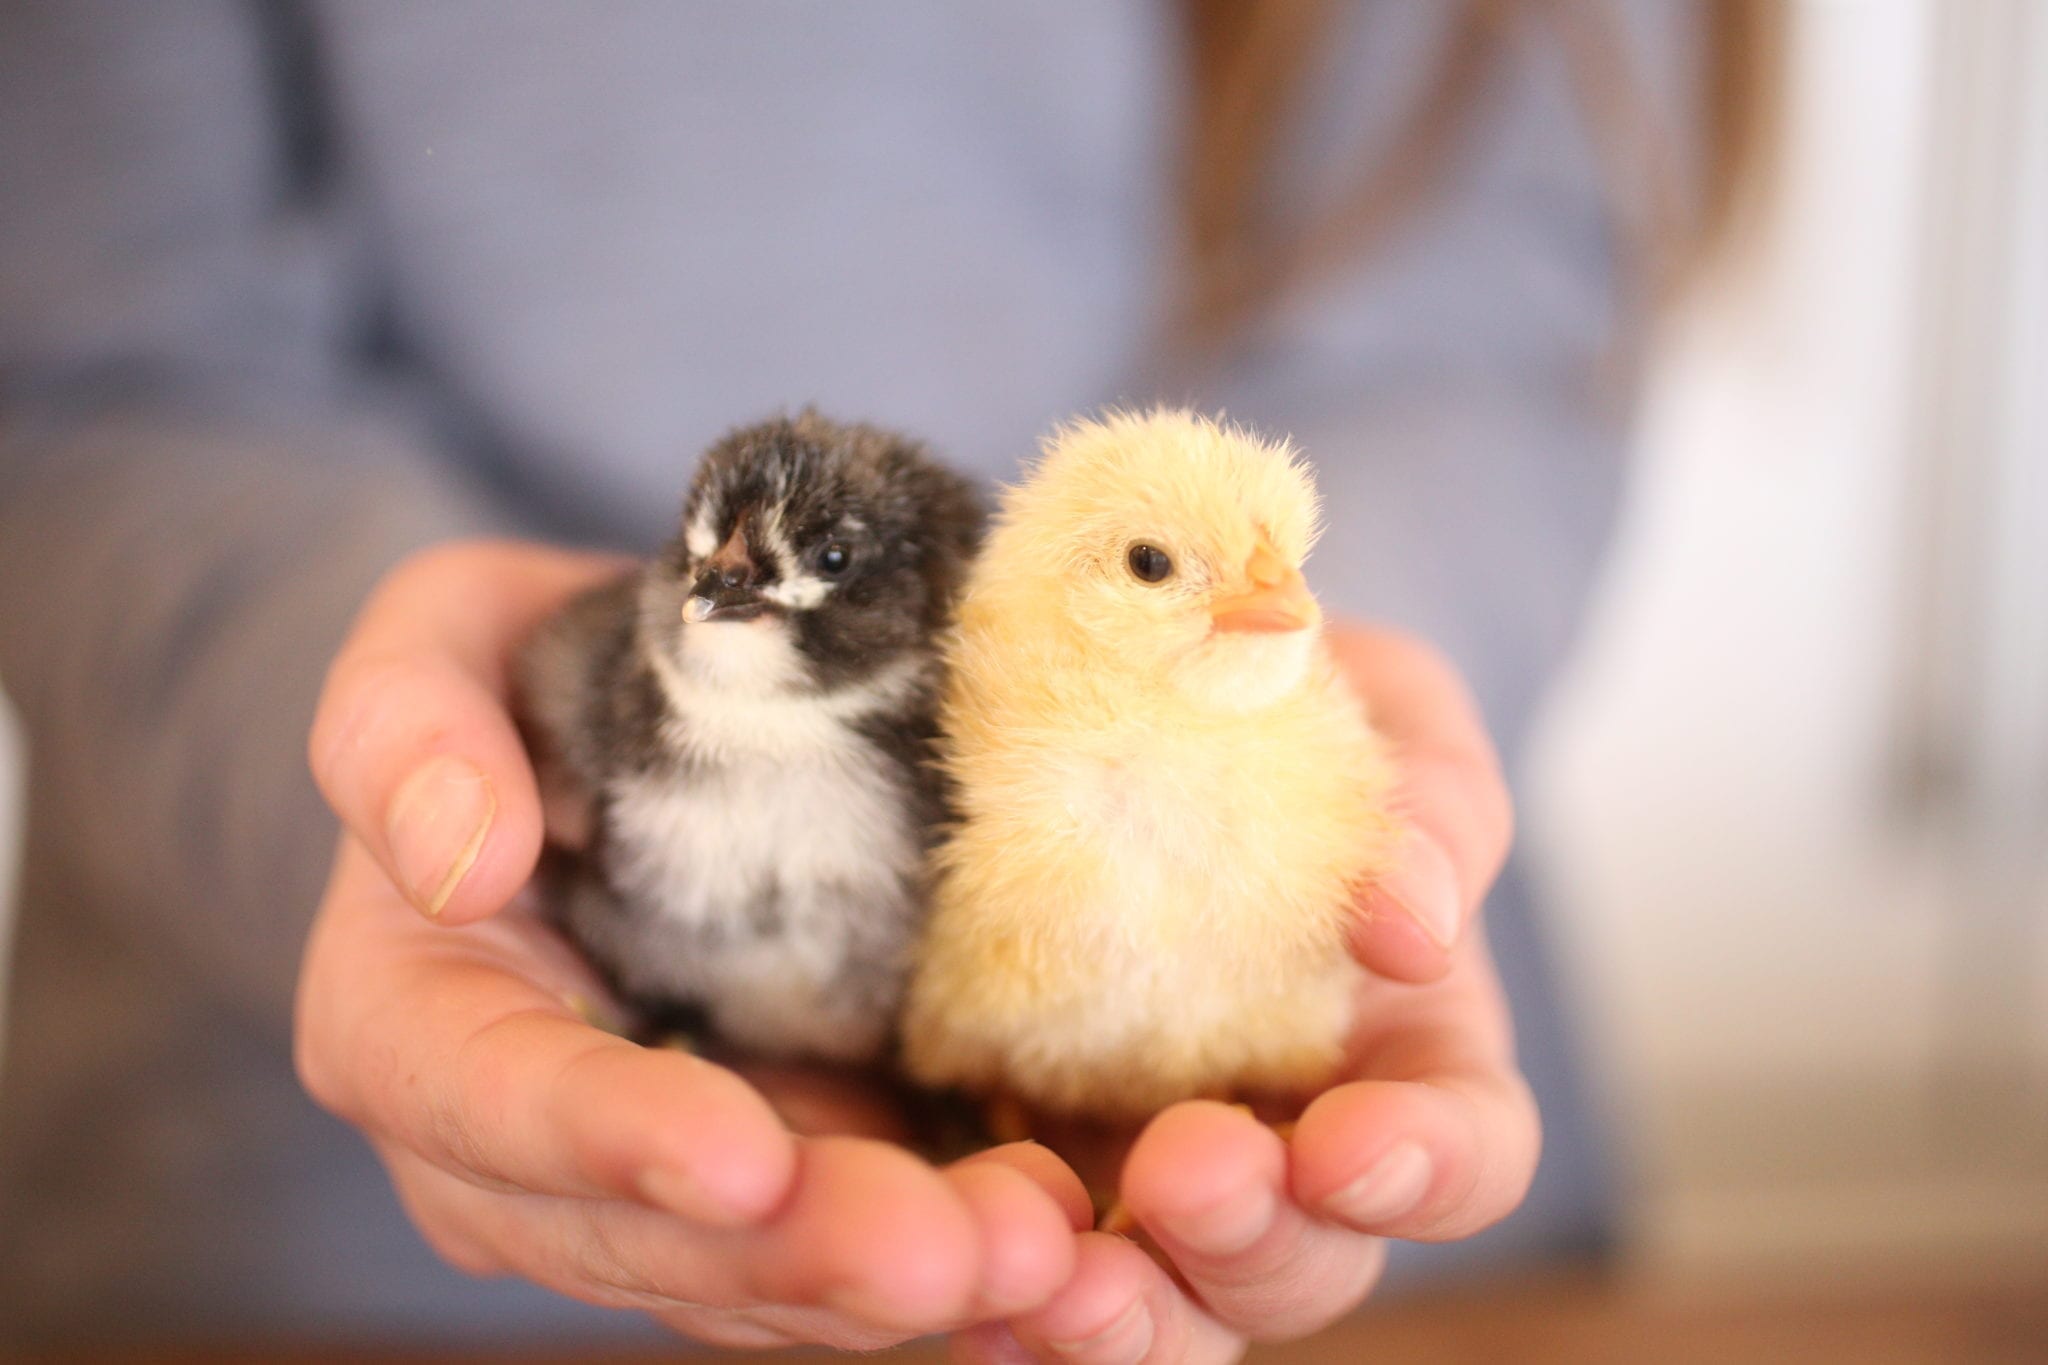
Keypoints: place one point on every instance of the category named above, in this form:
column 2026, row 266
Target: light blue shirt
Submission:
column 288, row 290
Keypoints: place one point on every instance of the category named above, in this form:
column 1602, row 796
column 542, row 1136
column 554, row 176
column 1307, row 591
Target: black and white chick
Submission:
column 745, row 724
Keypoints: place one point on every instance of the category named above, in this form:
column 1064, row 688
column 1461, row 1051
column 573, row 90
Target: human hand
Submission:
column 524, row 1140
column 1432, row 1136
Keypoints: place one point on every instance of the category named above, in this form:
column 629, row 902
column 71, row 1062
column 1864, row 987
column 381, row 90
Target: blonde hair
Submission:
column 1249, row 60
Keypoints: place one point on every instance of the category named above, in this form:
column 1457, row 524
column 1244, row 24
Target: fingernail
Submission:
column 1393, row 1185
column 1123, row 1342
column 436, row 827
column 1226, row 1228
column 1425, row 886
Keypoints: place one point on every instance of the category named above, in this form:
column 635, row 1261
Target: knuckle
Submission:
column 460, row 1250
column 482, row 1100
column 314, row 1062
column 1422, row 660
column 1466, row 799
column 1526, row 1139
column 598, row 1154
column 359, row 670
column 349, row 706
column 448, row 1127
column 1497, row 818
column 316, row 1076
column 1424, row 654
column 336, row 721
column 499, row 1092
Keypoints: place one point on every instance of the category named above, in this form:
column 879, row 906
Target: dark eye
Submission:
column 833, row 559
column 1150, row 563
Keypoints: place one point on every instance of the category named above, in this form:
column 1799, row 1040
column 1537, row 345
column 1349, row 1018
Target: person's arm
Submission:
column 197, row 485
column 198, row 490
column 747, row 1212
column 523, row 1140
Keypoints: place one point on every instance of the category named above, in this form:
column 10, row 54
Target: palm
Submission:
column 1430, row 1135
column 524, row 1139
column 768, row 1208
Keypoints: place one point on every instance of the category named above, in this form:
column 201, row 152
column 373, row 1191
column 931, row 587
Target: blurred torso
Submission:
column 627, row 233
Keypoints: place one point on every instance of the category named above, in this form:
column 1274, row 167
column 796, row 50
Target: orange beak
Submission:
column 1278, row 602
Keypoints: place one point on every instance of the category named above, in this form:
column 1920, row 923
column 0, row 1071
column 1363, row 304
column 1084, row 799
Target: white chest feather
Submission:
column 714, row 844
column 780, row 798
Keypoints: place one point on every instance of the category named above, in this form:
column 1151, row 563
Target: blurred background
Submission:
column 1793, row 794
column 1790, row 798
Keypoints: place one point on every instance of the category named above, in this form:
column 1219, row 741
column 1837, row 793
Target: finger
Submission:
column 1210, row 1183
column 594, row 1251
column 1119, row 1309
column 616, row 1254
column 1026, row 1236
column 413, row 743
column 872, row 1232
column 1450, row 794
column 874, row 1247
column 543, row 1101
column 454, row 1239
column 437, row 1042
column 1050, row 1173
column 1444, row 1139
column 1430, row 1161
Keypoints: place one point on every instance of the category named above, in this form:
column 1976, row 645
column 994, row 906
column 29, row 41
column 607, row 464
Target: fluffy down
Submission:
column 1163, row 821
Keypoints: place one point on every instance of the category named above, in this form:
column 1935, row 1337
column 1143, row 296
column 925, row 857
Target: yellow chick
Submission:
column 1168, row 797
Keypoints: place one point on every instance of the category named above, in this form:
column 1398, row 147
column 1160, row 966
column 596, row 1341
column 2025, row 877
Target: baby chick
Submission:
column 747, row 721
column 1167, row 795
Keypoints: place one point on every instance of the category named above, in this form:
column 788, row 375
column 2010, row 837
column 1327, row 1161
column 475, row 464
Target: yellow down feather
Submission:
column 1162, row 826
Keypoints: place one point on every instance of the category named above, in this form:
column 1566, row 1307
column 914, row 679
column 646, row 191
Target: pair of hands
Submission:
column 439, row 1016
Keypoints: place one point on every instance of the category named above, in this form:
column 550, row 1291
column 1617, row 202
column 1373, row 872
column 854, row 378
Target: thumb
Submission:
column 1451, row 796
column 414, row 744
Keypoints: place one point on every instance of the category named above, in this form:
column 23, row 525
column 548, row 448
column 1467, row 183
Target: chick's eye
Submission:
column 834, row 558
column 1149, row 563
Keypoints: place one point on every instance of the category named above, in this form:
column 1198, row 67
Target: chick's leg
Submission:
column 1007, row 1119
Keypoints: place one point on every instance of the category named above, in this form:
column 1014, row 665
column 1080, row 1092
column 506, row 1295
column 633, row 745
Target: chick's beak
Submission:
column 1279, row 601
column 728, row 589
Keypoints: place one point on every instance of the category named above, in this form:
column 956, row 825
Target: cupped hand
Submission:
column 1432, row 1136
column 525, row 1140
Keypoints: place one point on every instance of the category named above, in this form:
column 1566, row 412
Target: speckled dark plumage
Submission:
column 756, row 776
